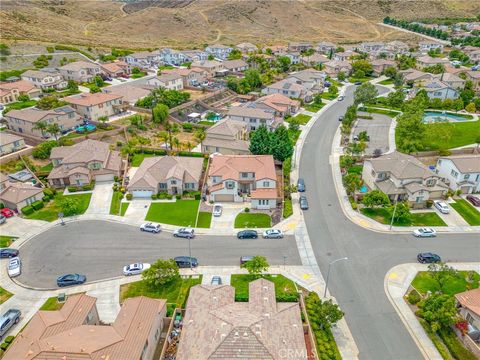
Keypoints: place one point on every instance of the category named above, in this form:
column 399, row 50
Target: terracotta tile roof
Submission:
column 17, row 192
column 470, row 300
column 264, row 193
column 279, row 102
column 230, row 166
column 91, row 99
column 21, row 86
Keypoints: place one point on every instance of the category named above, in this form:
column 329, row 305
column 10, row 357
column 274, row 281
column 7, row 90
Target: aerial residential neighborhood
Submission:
column 239, row 180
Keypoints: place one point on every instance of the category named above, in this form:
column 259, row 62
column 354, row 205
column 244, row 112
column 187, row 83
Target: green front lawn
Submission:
column 47, row 167
column 137, row 159
column 467, row 211
column 204, row 219
column 386, row 82
column 20, row 105
column 251, row 220
column 180, row 212
column 175, row 292
column 51, row 209
column 354, row 80
column 313, row 107
column 138, row 75
column 285, row 289
column 51, row 304
column 418, row 219
column 115, row 204
column 460, row 134
column 207, row 122
column 5, row 241
column 327, row 96
column 302, row 118
column 424, row 282
column 4, row 295
column 287, row 208
column 124, row 208
column 391, row 113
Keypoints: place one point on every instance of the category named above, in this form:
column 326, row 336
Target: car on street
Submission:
column 184, row 261
column 428, row 258
column 303, row 202
column 151, row 227
column 71, row 279
column 273, row 234
column 135, row 269
column 7, row 212
column 14, row 267
column 341, row 98
column 244, row 259
column 340, row 118
column 247, row 234
column 3, row 219
column 358, row 83
column 8, row 319
column 216, row 280
column 188, row 233
column 8, row 253
column 300, row 185
column 441, row 206
column 475, row 201
column 217, row 210
column 425, row 232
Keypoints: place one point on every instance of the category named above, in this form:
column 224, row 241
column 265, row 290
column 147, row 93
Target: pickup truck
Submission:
column 8, row 319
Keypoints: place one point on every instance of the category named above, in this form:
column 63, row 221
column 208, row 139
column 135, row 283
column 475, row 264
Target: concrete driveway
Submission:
column 101, row 198
column 229, row 213
column 17, row 226
column 377, row 129
column 138, row 208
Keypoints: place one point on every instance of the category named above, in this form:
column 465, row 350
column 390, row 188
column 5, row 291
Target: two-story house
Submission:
column 314, row 59
column 195, row 55
column 190, row 77
column 227, row 137
column 171, row 174
column 326, row 47
column 379, row 65
column 451, row 80
column 334, row 67
column 80, row 71
column 247, row 48
column 219, row 51
column 372, row 47
column 253, row 117
column 344, row 55
column 425, row 46
column 290, row 88
column 294, row 57
column 280, row 104
column 426, row 61
column 117, row 69
column 397, row 47
column 299, row 46
column 460, row 172
column 10, row 91
column 25, row 121
column 83, row 162
column 10, row 143
column 231, row 178
column 212, row 67
column 144, row 59
column 167, row 81
column 45, row 79
column 474, row 77
column 94, row 106
column 235, row 66
column 436, row 89
column 16, row 195
column 403, row 178
column 311, row 79
column 468, row 304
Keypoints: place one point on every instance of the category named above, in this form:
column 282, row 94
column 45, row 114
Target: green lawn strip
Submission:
column 124, row 208
column 51, row 209
column 391, row 113
column 206, row 122
column 251, row 220
column 51, row 304
column 287, row 208
column 328, row 96
column 302, row 118
column 424, row 282
column 115, row 204
column 47, row 167
column 5, row 240
column 418, row 219
column 175, row 293
column 180, row 212
column 386, row 82
column 4, row 295
column 204, row 219
column 456, row 348
column 20, row 105
column 137, row 159
column 364, row 79
column 138, row 75
column 285, row 290
column 314, row 107
column 461, row 134
column 467, row 211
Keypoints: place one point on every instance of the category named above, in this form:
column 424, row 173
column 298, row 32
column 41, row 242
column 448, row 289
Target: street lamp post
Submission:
column 328, row 274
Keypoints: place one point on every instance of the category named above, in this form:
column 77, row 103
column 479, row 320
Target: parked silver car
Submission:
column 14, row 267
column 151, row 227
column 188, row 233
column 217, row 210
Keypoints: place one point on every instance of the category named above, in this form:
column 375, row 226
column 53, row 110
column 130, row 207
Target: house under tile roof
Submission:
column 230, row 166
column 470, row 300
column 467, row 163
column 402, row 166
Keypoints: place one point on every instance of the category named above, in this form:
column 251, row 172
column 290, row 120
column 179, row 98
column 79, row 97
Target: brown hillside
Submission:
column 159, row 23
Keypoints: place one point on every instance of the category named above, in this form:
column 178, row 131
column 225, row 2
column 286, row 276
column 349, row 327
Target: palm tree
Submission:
column 163, row 137
column 175, row 142
column 200, row 135
column 143, row 141
column 54, row 129
column 42, row 126
column 189, row 146
column 103, row 120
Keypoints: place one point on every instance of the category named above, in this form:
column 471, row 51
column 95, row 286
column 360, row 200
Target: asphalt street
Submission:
column 100, row 249
column 358, row 284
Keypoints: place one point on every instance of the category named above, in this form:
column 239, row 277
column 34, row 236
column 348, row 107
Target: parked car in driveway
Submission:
column 273, row 234
column 428, row 258
column 247, row 234
column 303, row 203
column 8, row 319
column 135, row 269
column 184, row 261
column 441, row 206
column 300, row 185
column 151, row 227
column 425, row 232
column 475, row 201
column 216, row 280
column 188, row 233
column 7, row 212
column 71, row 279
column 14, row 267
column 8, row 253
column 217, row 210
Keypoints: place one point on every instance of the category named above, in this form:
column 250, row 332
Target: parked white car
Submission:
column 135, row 269
column 272, row 234
column 151, row 227
column 188, row 233
column 425, row 232
column 217, row 210
column 441, row 206
column 14, row 267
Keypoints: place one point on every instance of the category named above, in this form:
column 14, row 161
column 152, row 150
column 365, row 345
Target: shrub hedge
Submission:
column 27, row 210
column 87, row 187
column 455, row 347
column 9, row 339
column 4, row 346
column 129, row 196
column 414, row 297
column 49, row 192
column 72, row 189
column 46, row 198
column 37, row 205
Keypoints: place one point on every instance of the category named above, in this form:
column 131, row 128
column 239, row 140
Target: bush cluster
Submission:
column 27, row 210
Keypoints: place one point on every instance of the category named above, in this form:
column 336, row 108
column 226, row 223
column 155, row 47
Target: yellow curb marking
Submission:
column 393, row 276
column 292, row 225
column 306, row 276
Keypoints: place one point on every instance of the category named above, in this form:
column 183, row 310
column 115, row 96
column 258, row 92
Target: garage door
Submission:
column 142, row 193
column 105, row 177
column 223, row 197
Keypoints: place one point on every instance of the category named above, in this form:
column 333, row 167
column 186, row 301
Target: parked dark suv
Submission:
column 474, row 200
column 428, row 258
column 301, row 185
column 247, row 234
column 8, row 253
column 184, row 261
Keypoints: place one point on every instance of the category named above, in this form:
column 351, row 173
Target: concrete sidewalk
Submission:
column 396, row 284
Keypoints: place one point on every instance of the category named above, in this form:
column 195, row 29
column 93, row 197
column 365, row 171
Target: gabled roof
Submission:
column 39, row 73
column 227, row 127
column 470, row 300
column 230, row 166
column 402, row 166
column 21, row 86
column 88, row 99
column 469, row 163
column 35, row 115
column 308, row 75
column 287, row 84
column 246, row 111
column 16, row 192
column 79, row 65
column 232, row 64
column 7, row 138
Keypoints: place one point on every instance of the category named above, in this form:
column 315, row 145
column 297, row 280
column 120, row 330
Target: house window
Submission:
column 454, row 173
column 244, row 175
column 173, row 182
column 466, row 176
column 189, row 185
column 89, row 318
column 430, row 182
column 229, row 184
column 157, row 334
column 162, row 185
column 266, row 184
column 469, row 318
column 263, row 202
column 419, row 199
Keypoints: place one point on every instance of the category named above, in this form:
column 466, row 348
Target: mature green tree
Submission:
column 200, row 134
column 235, row 54
column 98, row 81
column 406, row 62
column 471, row 107
column 402, row 213
column 211, row 57
column 346, row 161
column 284, row 63
column 442, row 273
column 69, row 206
column 332, row 90
column 365, row 93
column 256, row 266
column 41, row 125
column 410, row 131
column 281, row 144
column 434, row 69
column 396, row 99
column 54, row 129
column 23, row 98
column 341, row 76
column 362, row 65
column 161, row 272
column 375, row 198
column 252, row 76
column 4, row 49
column 322, row 314
column 261, row 141
column 160, row 113
column 390, row 72
column 352, row 182
column 72, row 85
column 458, row 104
column 439, row 311
column 50, row 102
column 293, row 125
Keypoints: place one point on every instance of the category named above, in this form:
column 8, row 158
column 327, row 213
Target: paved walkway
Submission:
column 101, row 198
column 397, row 281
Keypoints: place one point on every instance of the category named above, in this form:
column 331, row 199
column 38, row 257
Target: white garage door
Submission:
column 142, row 193
column 106, row 177
column 223, row 197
